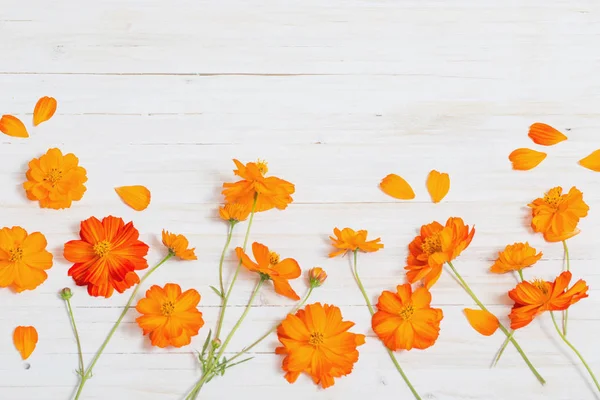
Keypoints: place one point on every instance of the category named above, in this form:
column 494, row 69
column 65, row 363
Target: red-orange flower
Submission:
column 533, row 298
column 435, row 246
column 107, row 256
column 178, row 245
column 316, row 341
column 269, row 265
column 406, row 320
column 270, row 192
column 556, row 215
column 348, row 240
column 169, row 316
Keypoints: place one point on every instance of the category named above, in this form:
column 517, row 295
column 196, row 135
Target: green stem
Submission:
column 229, row 235
column 564, row 338
column 88, row 373
column 501, row 326
column 565, row 314
column 520, row 271
column 72, row 318
column 501, row 351
column 372, row 311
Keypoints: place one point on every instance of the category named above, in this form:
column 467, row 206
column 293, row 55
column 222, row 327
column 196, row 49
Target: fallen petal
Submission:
column 438, row 185
column 44, row 110
column 592, row 161
column 395, row 186
column 12, row 126
column 545, row 135
column 482, row 321
column 526, row 159
column 25, row 339
column 136, row 197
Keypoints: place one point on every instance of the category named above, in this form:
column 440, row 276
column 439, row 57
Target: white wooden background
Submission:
column 335, row 95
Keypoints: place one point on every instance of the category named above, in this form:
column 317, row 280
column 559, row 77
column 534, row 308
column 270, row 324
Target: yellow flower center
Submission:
column 540, row 284
column 554, row 197
column 167, row 308
column 54, row 176
column 262, row 166
column 316, row 339
column 432, row 244
column 15, row 254
column 273, row 258
column 407, row 312
column 102, row 248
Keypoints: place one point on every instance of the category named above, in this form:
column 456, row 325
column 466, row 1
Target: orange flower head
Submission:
column 348, row 240
column 269, row 192
column 170, row 316
column 556, row 215
column 515, row 257
column 178, row 246
column 533, row 298
column 316, row 277
column 234, row 212
column 435, row 246
column 107, row 256
column 23, row 259
column 316, row 341
column 405, row 319
column 270, row 266
column 55, row 180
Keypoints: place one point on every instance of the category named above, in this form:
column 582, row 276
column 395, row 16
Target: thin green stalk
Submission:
column 520, row 271
column 501, row 326
column 72, row 318
column 88, row 373
column 564, row 338
column 507, row 340
column 565, row 314
column 227, row 242
column 372, row 311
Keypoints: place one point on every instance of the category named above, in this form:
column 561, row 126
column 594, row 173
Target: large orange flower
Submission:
column 435, row 246
column 556, row 215
column 169, row 316
column 107, row 256
column 269, row 265
column 533, row 298
column 515, row 257
column 405, row 320
column 348, row 240
column 316, row 341
column 270, row 192
column 23, row 259
column 55, row 180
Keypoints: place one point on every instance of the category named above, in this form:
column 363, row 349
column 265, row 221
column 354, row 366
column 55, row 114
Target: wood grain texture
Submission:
column 335, row 95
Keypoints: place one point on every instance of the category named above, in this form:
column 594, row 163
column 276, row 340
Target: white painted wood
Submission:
column 335, row 95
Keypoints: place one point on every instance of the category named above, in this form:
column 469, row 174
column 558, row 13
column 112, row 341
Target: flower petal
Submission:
column 545, row 135
column 592, row 161
column 526, row 159
column 438, row 185
column 395, row 186
column 25, row 338
column 12, row 126
column 44, row 110
column 482, row 321
column 136, row 197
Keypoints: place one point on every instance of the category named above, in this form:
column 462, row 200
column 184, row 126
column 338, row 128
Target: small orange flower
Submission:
column 482, row 321
column 545, row 135
column 526, row 159
column 348, row 240
column 44, row 110
column 23, row 259
column 269, row 265
column 25, row 339
column 107, row 256
column 178, row 245
column 533, row 298
column 405, row 319
column 55, row 180
column 270, row 192
column 137, row 196
column 233, row 212
column 435, row 246
column 316, row 277
column 169, row 316
column 556, row 215
column 316, row 341
column 515, row 257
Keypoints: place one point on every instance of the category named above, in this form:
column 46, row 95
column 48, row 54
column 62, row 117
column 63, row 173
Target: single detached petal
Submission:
column 482, row 321
column 526, row 159
column 44, row 110
column 592, row 161
column 438, row 184
column 395, row 186
column 136, row 197
column 545, row 134
column 12, row 126
column 25, row 338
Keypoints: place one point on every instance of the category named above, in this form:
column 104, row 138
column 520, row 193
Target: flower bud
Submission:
column 316, row 277
column 66, row 293
column 216, row 343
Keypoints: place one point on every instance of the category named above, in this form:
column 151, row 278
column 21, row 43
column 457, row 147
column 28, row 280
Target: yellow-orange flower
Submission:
column 515, row 257
column 269, row 192
column 533, row 298
column 169, row 316
column 23, row 259
column 233, row 212
column 406, row 320
column 435, row 246
column 348, row 240
column 316, row 276
column 316, row 341
column 556, row 215
column 55, row 180
column 25, row 339
column 178, row 245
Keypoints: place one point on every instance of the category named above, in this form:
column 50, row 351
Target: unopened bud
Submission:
column 66, row 293
column 316, row 276
column 216, row 343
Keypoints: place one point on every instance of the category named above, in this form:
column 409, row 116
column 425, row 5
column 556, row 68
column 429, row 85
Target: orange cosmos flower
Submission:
column 55, row 180
column 270, row 192
column 316, row 341
column 25, row 339
column 348, row 240
column 107, row 256
column 435, row 246
column 269, row 265
column 405, row 320
column 178, row 245
column 233, row 212
column 533, row 298
column 169, row 316
column 23, row 259
column 515, row 257
column 556, row 215
column 316, row 277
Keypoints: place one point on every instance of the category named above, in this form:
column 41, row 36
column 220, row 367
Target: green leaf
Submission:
column 217, row 291
column 205, row 346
